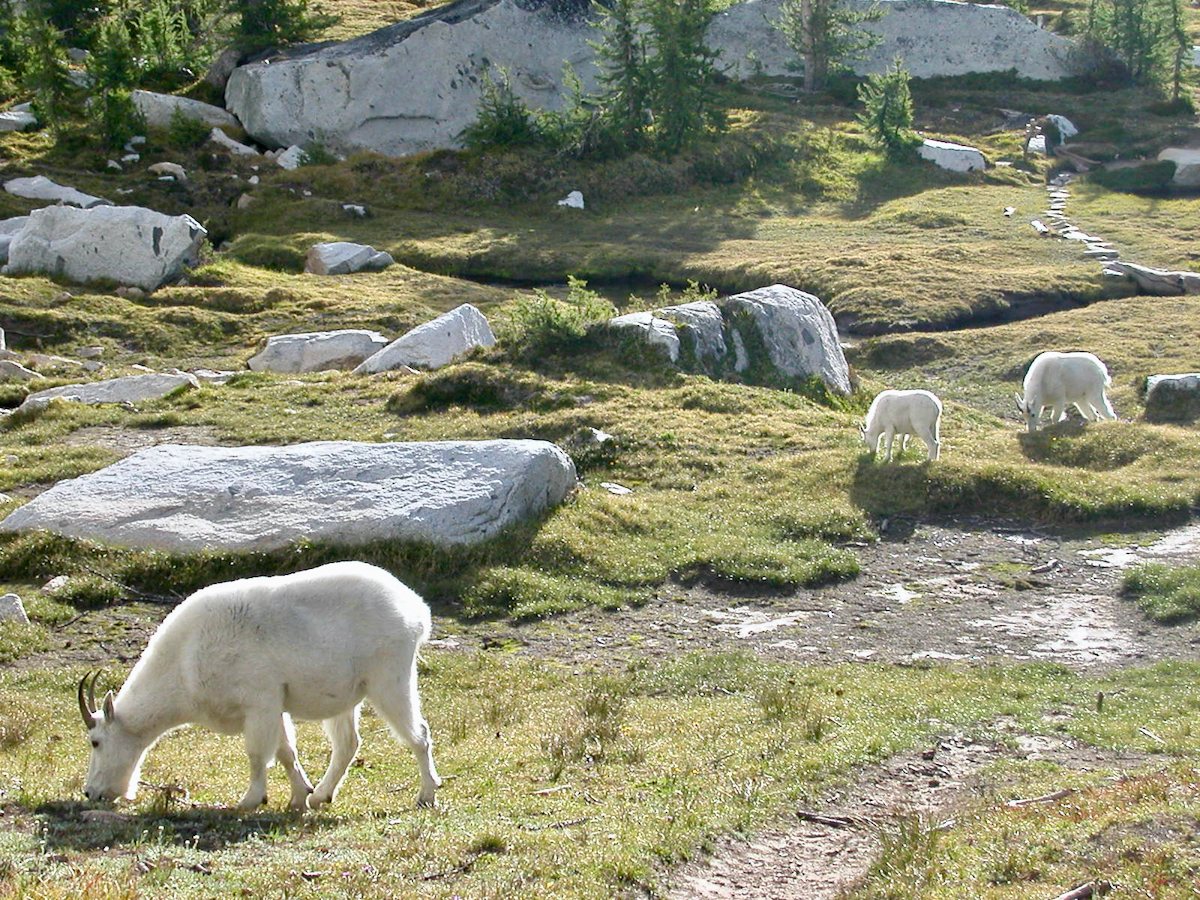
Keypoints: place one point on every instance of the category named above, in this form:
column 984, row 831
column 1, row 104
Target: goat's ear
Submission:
column 1020, row 402
column 107, row 707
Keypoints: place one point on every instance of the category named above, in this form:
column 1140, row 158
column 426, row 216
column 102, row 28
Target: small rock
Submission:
column 113, row 164
column 574, row 200
column 245, row 201
column 11, row 609
column 14, row 371
column 131, row 157
column 236, row 147
column 57, row 583
column 253, row 179
column 131, row 292
column 174, row 170
column 90, row 352
column 355, row 210
column 44, row 361
column 290, row 158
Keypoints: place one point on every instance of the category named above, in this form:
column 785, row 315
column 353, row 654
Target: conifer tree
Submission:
column 621, row 55
column 682, row 73
column 888, row 111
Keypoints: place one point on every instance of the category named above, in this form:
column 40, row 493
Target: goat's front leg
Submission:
column 286, row 754
column 342, row 732
column 888, row 437
column 263, row 732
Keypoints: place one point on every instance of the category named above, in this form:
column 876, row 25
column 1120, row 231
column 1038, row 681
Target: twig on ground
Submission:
column 1045, row 798
column 1150, row 734
column 1045, row 567
column 1086, row 891
column 831, row 821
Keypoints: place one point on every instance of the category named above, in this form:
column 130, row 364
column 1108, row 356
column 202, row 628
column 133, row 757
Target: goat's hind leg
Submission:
column 342, row 732
column 264, row 732
column 397, row 702
column 286, row 755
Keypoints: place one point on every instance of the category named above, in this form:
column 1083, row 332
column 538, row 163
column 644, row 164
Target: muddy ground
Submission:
column 966, row 591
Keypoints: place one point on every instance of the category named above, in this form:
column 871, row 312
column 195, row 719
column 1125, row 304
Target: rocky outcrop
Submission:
column 954, row 157
column 434, row 344
column 9, row 228
column 775, row 336
column 344, row 257
column 1187, row 165
column 39, row 187
column 128, row 389
column 183, row 498
column 160, row 109
column 317, row 351
column 124, row 244
column 1173, row 398
column 415, row 85
column 18, row 118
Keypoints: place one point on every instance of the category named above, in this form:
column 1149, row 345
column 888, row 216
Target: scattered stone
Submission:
column 129, row 389
column 39, row 187
column 131, row 157
column 317, row 351
column 11, row 370
column 236, row 147
column 253, row 179
column 353, row 209
column 90, row 352
column 1066, row 128
column 796, row 330
column 174, row 170
column 954, row 157
column 17, row 120
column 434, row 344
column 115, row 166
column 159, row 110
column 1156, row 282
column 126, row 244
column 129, row 292
column 48, row 361
column 574, row 200
column 344, row 257
column 12, row 610
column 291, row 158
column 93, row 365
column 1173, row 398
column 212, row 376
column 655, row 331
column 57, row 583
column 180, row 498
column 1039, row 226
column 245, row 201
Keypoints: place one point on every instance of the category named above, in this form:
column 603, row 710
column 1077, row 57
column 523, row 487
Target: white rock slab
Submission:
column 954, row 157
column 318, row 350
column 11, row 370
column 657, row 332
column 184, row 498
column 290, row 158
column 798, row 332
column 1173, row 396
column 434, row 344
column 128, row 389
column 237, row 148
column 17, row 120
column 706, row 323
column 344, row 258
column 12, row 610
column 9, row 229
column 130, row 245
column 574, row 200
column 39, row 187
column 159, row 109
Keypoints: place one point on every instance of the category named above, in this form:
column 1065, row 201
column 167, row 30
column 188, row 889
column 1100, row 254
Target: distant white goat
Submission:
column 248, row 655
column 1059, row 380
column 905, row 413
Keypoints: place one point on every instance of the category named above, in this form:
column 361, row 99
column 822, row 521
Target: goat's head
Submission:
column 116, row 752
column 1028, row 413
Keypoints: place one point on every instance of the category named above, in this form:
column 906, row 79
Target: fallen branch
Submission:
column 1045, row 798
column 1157, row 282
column 1086, row 891
column 1150, row 734
column 831, row 821
column 1045, row 567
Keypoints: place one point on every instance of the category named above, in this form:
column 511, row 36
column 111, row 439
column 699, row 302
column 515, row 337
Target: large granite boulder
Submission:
column 317, row 350
column 159, row 110
column 128, row 245
column 183, row 498
column 344, row 258
column 39, row 187
column 1173, row 398
column 9, row 228
column 415, row 85
column 127, row 389
column 434, row 344
column 1187, row 165
column 775, row 336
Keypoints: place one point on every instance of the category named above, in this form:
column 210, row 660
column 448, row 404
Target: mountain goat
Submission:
column 248, row 655
column 905, row 413
column 1058, row 380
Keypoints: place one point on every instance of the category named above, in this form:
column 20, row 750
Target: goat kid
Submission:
column 246, row 656
column 1059, row 380
column 903, row 413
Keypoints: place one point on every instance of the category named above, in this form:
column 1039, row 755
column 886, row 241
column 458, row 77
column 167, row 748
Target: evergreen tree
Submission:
column 1146, row 35
column 45, row 72
column 682, row 73
column 274, row 23
column 824, row 33
column 114, row 68
column 621, row 55
column 888, row 111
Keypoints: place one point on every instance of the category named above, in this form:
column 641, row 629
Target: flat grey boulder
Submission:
column 39, row 187
column 344, row 258
column 11, row 370
column 796, row 331
column 1187, row 165
column 954, row 157
column 128, row 389
column 649, row 327
column 434, row 344
column 17, row 120
column 316, row 351
column 12, row 610
column 160, row 109
column 126, row 244
column 414, row 86
column 1173, row 398
column 182, row 498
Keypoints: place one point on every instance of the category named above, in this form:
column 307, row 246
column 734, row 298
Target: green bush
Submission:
column 887, row 112
column 540, row 325
column 503, row 120
column 1168, row 594
column 1148, row 178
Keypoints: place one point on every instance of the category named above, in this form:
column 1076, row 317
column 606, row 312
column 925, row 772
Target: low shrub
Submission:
column 1168, row 594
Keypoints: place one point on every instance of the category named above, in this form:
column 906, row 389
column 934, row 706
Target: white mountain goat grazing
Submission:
column 1058, row 380
column 904, row 413
column 248, row 655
